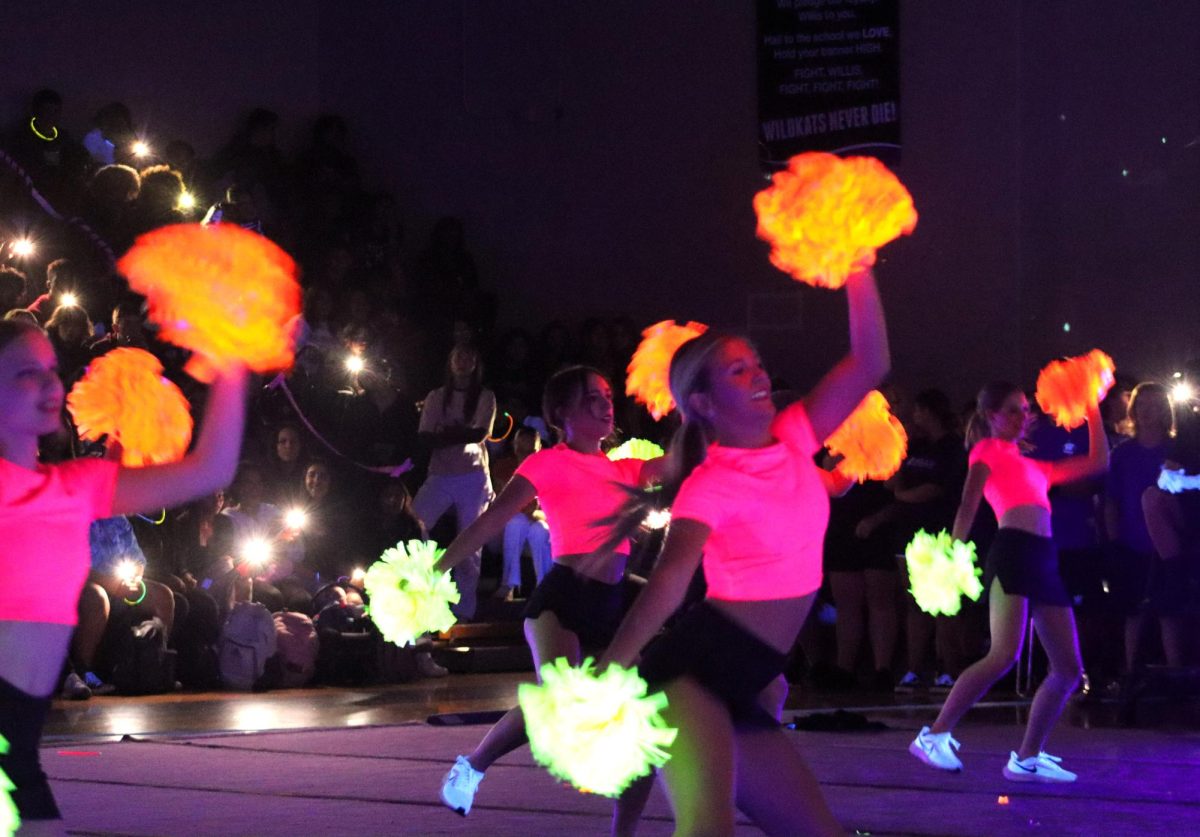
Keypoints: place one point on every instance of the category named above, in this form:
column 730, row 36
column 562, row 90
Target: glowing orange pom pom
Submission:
column 124, row 396
column 1067, row 388
column 825, row 217
column 649, row 371
column 871, row 440
column 221, row 291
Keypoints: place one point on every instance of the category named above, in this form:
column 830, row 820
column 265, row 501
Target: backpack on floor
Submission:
column 296, row 648
column 348, row 645
column 142, row 663
column 247, row 642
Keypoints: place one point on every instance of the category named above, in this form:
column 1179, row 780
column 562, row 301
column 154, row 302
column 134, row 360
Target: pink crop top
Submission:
column 1015, row 480
column 768, row 510
column 44, row 520
column 577, row 489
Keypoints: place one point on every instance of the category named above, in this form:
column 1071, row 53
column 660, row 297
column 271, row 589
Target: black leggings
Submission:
column 22, row 717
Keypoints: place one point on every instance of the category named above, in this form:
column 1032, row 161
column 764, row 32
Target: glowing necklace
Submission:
column 40, row 135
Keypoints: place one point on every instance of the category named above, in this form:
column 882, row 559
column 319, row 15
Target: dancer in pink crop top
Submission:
column 1021, row 576
column 45, row 512
column 578, row 604
column 751, row 510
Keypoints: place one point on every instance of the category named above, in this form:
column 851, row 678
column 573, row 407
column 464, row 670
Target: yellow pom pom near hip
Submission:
column 597, row 731
column 941, row 571
column 871, row 440
column 10, row 817
column 123, row 395
column 649, row 371
column 825, row 216
column 1067, row 389
column 636, row 449
column 225, row 293
column 408, row 597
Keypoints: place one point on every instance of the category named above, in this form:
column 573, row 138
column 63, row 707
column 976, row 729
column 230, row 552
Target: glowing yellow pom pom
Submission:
column 649, row 371
column 408, row 596
column 635, row 449
column 941, row 571
column 825, row 217
column 871, row 440
column 123, row 395
column 597, row 731
column 223, row 292
column 1066, row 389
column 10, row 818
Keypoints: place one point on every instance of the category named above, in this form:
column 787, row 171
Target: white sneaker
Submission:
column 74, row 688
column 460, row 785
column 936, row 750
column 910, row 682
column 1040, row 768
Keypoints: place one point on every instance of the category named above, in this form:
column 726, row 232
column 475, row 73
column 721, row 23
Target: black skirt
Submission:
column 1027, row 566
column 590, row 609
column 722, row 656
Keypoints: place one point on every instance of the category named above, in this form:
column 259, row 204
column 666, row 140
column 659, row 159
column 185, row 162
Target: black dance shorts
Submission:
column 1027, row 566
column 22, row 717
column 727, row 660
column 588, row 608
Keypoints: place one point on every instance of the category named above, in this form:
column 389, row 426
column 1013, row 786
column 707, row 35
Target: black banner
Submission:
column 828, row 78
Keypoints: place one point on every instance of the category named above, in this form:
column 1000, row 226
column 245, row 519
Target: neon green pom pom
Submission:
column 941, row 571
column 597, row 731
column 10, row 818
column 636, row 449
column 408, row 596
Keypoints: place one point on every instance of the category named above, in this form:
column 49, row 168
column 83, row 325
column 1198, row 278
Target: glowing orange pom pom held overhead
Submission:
column 649, row 371
column 124, row 396
column 1067, row 388
column 225, row 293
column 871, row 440
column 825, row 217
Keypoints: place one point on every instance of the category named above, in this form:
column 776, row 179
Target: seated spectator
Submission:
column 396, row 522
column 285, row 468
column 70, row 332
column 13, row 288
column 263, row 545
column 158, row 202
column 108, row 204
column 60, row 280
column 127, row 329
column 331, row 537
column 116, row 597
column 111, row 135
column 526, row 528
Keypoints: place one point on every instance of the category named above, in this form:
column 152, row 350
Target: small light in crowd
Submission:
column 1124, row 172
column 127, row 571
column 657, row 519
column 1182, row 392
column 69, row 299
column 1067, row 328
column 1164, row 140
column 358, row 576
column 186, row 202
column 1001, row 800
column 295, row 519
column 140, row 148
column 23, row 247
column 1177, row 375
column 256, row 551
column 355, row 364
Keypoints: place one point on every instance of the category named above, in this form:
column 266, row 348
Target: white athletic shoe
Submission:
column 936, row 750
column 1040, row 768
column 460, row 785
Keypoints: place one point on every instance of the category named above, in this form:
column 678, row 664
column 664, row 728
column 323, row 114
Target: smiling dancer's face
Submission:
column 739, row 391
column 591, row 415
column 31, row 393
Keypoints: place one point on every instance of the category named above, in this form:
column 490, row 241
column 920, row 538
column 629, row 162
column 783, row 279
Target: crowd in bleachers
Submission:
column 321, row 439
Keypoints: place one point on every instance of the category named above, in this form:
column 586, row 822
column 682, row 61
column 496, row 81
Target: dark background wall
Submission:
column 604, row 156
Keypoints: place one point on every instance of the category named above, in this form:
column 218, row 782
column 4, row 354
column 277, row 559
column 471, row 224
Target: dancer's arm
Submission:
column 663, row 594
column 844, row 386
column 655, row 470
column 210, row 465
column 1095, row 462
column 516, row 495
column 968, row 507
